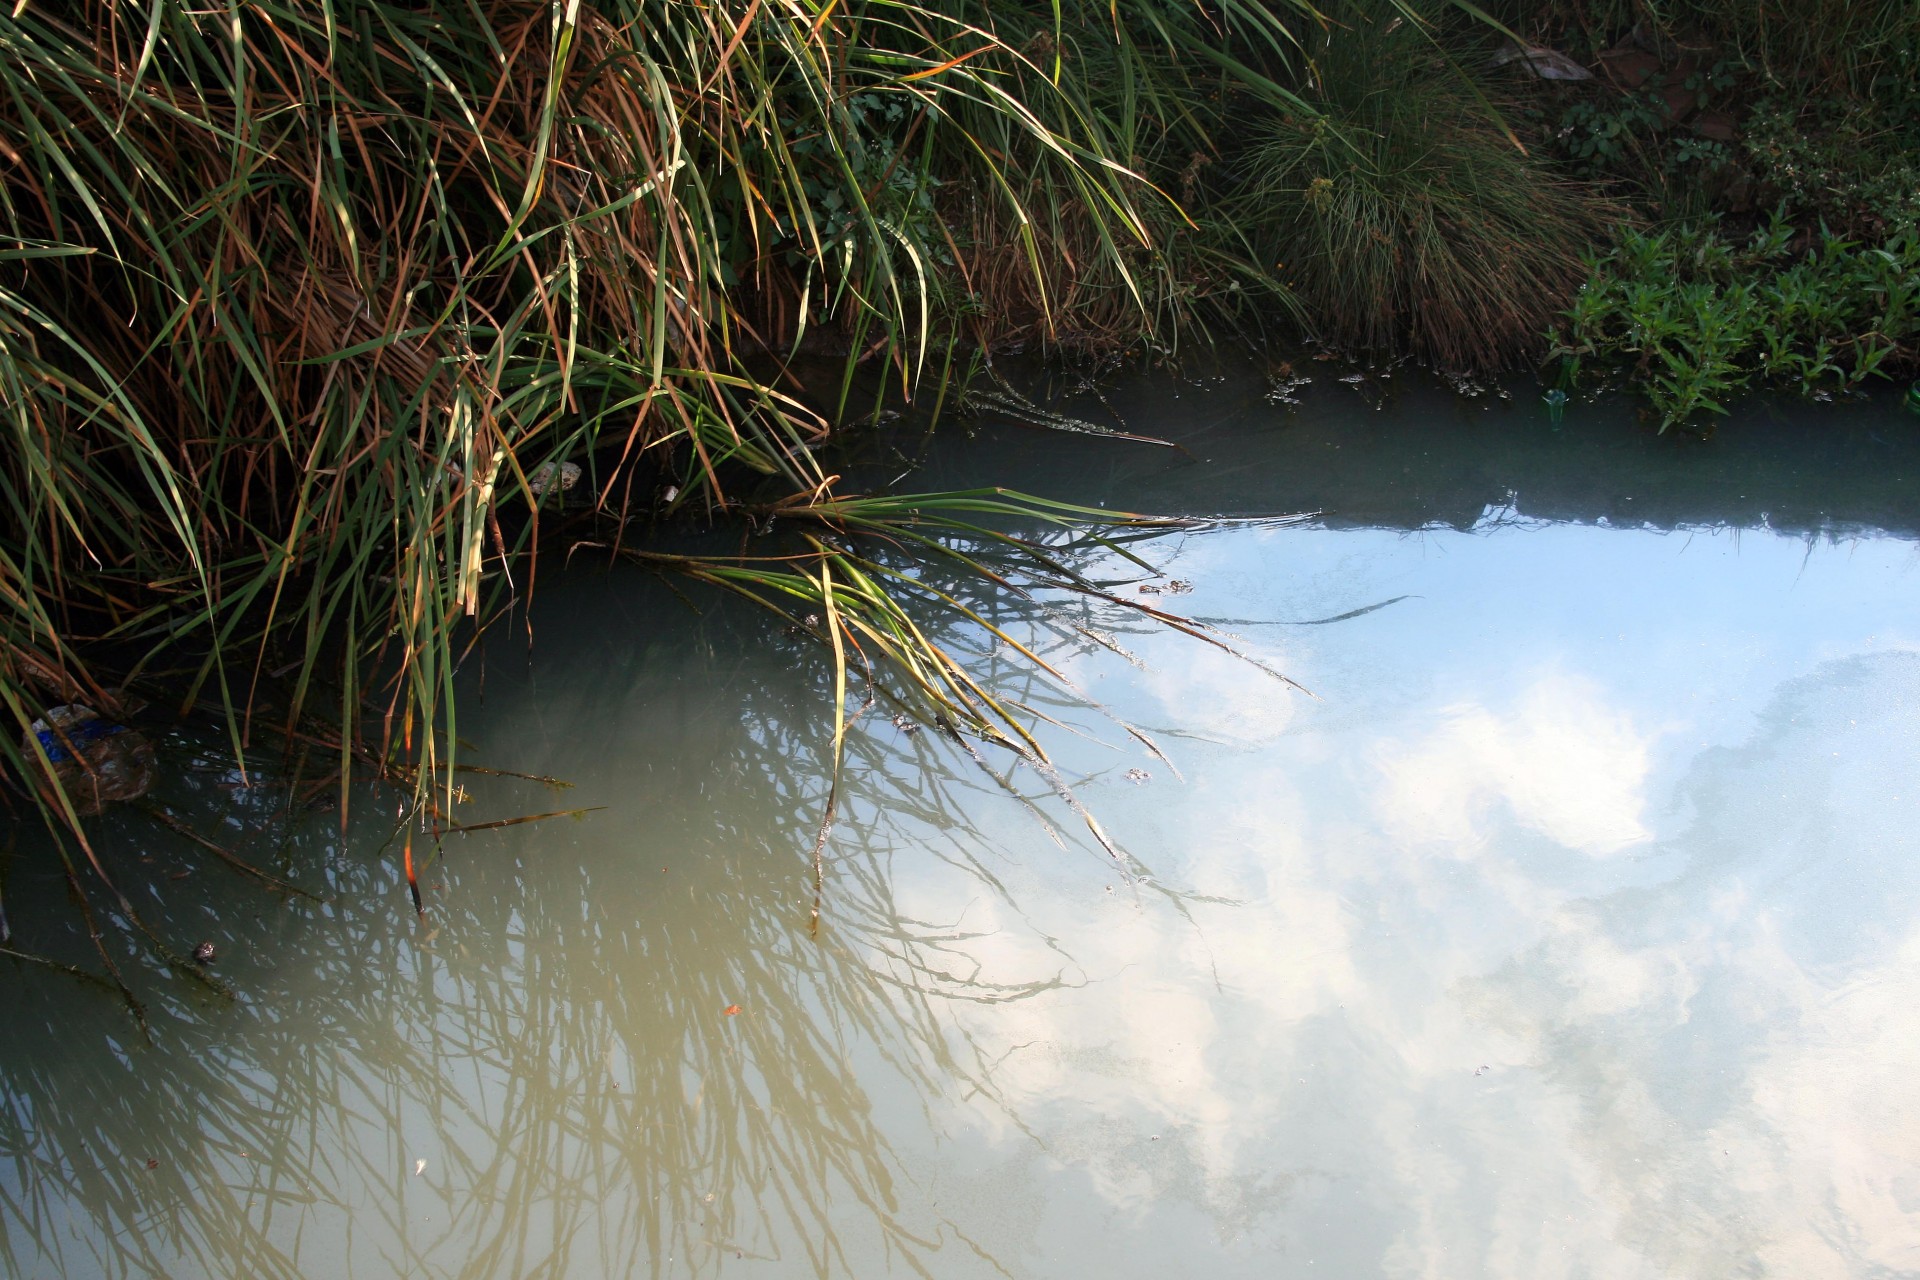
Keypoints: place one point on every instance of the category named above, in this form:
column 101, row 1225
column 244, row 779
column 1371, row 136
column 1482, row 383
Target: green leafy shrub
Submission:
column 1604, row 134
column 1849, row 165
column 1598, row 138
column 1693, row 319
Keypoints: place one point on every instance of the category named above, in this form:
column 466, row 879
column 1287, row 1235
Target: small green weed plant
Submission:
column 1693, row 318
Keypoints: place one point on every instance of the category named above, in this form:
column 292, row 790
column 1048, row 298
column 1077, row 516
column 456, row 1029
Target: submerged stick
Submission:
column 828, row 603
column 71, row 970
column 819, row 858
column 233, row 860
column 497, row 823
column 134, row 1006
column 558, row 784
column 1028, row 414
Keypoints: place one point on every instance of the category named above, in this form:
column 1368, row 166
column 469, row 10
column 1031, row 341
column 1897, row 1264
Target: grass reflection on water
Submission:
column 552, row 1040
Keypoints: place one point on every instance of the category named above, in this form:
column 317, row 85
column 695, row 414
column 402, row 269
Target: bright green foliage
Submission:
column 1693, row 319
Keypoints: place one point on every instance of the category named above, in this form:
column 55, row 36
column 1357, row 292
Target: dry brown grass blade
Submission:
column 174, row 824
column 499, row 823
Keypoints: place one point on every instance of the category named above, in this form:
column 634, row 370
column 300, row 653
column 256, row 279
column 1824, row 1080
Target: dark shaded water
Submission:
column 1573, row 929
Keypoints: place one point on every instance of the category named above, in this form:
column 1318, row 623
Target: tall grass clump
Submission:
column 297, row 300
column 1400, row 212
column 306, row 307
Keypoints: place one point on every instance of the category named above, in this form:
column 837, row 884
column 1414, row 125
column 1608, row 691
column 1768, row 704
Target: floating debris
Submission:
column 1465, row 384
column 1283, row 386
column 1019, row 408
column 542, row 478
column 94, row 760
column 1556, row 401
column 204, row 953
column 1179, row 587
column 1137, row 776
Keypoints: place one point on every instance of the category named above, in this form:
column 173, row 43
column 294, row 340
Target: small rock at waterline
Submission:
column 204, row 953
column 1543, row 63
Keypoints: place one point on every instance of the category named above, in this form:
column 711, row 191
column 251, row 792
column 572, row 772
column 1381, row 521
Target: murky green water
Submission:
column 1573, row 929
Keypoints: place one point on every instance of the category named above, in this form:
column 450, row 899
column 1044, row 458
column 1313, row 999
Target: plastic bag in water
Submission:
column 95, row 760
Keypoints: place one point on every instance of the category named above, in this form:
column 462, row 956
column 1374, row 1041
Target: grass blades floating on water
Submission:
column 865, row 590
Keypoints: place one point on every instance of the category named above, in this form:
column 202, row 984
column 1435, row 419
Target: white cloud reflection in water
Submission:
column 1562, row 762
column 1559, row 955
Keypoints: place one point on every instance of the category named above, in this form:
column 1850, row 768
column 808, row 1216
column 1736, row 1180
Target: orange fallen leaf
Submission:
column 731, row 1009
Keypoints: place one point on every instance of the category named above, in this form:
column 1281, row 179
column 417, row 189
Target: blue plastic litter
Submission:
column 1556, row 404
column 84, row 736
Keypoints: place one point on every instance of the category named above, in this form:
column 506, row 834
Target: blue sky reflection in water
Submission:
column 1573, row 931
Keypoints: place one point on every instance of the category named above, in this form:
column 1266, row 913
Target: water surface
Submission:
column 1570, row 928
